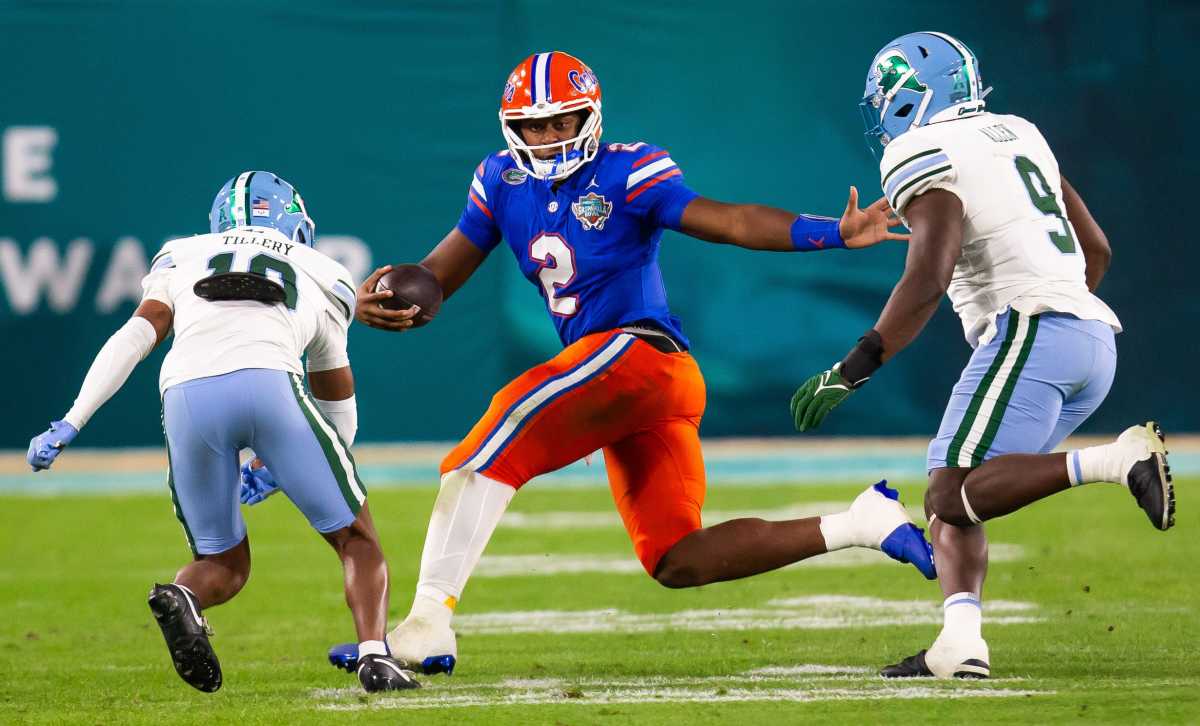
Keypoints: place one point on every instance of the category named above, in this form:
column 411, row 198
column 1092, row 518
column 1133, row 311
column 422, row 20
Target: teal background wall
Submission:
column 378, row 112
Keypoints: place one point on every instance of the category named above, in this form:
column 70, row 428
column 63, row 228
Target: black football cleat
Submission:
column 186, row 633
column 1149, row 480
column 914, row 666
column 381, row 673
column 911, row 667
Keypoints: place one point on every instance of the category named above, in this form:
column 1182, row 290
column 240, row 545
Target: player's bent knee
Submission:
column 678, row 578
column 943, row 498
column 357, row 536
column 675, row 574
column 235, row 566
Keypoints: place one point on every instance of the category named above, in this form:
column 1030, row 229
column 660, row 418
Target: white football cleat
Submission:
column 422, row 644
column 958, row 658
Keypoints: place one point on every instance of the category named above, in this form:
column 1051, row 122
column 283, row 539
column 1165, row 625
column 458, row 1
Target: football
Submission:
column 412, row 285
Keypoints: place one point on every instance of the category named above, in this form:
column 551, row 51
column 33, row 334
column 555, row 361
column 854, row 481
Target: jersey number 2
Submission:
column 557, row 262
column 259, row 265
column 1043, row 198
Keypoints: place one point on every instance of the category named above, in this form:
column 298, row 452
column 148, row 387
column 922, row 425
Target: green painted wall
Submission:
column 380, row 111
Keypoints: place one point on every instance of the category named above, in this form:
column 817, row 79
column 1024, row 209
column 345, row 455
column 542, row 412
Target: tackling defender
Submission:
column 997, row 228
column 245, row 302
column 584, row 221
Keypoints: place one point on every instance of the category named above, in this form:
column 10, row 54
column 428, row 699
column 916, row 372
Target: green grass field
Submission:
column 1093, row 617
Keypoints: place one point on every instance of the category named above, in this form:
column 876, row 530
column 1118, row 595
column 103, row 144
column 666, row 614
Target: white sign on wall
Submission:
column 28, row 157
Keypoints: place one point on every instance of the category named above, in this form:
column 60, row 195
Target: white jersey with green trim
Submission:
column 1019, row 250
column 212, row 338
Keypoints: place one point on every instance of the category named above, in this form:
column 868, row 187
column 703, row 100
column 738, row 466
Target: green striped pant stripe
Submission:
column 953, row 454
column 993, row 425
column 341, row 462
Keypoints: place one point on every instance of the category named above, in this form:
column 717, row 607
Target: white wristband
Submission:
column 343, row 415
column 111, row 368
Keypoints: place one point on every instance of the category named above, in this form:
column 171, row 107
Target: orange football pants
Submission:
column 609, row 391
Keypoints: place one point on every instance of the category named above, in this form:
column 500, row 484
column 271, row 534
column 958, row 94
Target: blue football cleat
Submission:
column 438, row 664
column 884, row 524
column 345, row 656
column 907, row 543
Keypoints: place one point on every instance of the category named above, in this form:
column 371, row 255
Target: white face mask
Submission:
column 569, row 154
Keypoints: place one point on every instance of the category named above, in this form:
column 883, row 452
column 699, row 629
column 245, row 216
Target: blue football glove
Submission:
column 45, row 447
column 257, row 484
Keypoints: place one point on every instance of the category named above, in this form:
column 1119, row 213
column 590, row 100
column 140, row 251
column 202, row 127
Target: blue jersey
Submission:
column 589, row 243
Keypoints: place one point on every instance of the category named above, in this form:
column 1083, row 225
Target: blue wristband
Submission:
column 816, row 233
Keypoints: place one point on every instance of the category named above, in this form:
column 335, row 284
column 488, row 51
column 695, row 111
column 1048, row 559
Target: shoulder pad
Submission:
column 171, row 249
column 909, row 163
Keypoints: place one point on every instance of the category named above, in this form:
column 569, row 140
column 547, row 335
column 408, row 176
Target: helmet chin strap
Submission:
column 925, row 99
column 554, row 165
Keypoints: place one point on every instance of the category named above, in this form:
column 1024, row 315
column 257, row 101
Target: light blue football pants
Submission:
column 1025, row 391
column 208, row 421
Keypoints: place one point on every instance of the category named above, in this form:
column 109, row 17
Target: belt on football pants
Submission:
column 660, row 340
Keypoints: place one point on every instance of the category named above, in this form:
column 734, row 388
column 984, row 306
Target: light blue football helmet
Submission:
column 919, row 79
column 262, row 199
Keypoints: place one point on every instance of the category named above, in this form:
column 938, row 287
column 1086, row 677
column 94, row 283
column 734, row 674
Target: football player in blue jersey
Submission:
column 583, row 220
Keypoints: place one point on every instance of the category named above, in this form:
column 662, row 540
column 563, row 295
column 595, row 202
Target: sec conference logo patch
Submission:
column 592, row 211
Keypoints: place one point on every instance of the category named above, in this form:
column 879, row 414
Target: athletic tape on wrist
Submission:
column 863, row 360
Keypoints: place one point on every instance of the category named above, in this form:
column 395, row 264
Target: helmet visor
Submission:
column 876, row 137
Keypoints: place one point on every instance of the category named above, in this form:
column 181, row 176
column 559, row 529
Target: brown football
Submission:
column 412, row 285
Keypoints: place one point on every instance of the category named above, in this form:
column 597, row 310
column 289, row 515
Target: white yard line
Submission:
column 799, row 683
column 552, row 692
column 817, row 612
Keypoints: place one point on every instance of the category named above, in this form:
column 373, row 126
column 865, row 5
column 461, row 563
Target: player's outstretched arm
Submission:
column 1096, row 251
column 150, row 324
column 937, row 224
column 452, row 262
column 758, row 227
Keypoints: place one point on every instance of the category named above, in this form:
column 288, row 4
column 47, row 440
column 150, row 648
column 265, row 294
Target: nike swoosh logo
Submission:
column 818, row 243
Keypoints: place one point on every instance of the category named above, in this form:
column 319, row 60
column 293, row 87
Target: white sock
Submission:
column 467, row 510
column 839, row 531
column 371, row 647
column 1093, row 464
column 963, row 616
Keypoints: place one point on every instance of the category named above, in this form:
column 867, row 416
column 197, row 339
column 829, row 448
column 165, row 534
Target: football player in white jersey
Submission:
column 245, row 302
column 997, row 228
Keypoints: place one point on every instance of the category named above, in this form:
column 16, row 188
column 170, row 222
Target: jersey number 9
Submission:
column 1044, row 200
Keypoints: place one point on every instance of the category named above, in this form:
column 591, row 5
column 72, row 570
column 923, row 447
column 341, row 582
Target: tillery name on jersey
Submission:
column 271, row 244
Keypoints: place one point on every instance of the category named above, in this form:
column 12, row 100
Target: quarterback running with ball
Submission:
column 583, row 220
column 245, row 302
column 998, row 229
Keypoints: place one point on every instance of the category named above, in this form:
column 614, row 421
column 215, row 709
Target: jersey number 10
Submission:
column 262, row 264
column 1043, row 198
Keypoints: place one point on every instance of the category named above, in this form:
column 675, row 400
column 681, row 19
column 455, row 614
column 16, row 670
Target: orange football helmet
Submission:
column 545, row 85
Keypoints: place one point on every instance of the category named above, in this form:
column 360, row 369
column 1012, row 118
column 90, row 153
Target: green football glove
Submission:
column 819, row 395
